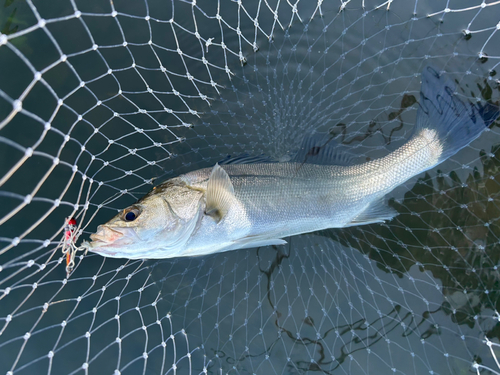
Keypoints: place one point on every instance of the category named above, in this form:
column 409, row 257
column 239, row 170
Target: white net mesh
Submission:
column 100, row 100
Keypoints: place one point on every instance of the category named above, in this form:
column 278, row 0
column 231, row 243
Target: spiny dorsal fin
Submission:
column 220, row 193
column 247, row 159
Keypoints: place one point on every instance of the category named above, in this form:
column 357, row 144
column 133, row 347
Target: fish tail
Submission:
column 445, row 117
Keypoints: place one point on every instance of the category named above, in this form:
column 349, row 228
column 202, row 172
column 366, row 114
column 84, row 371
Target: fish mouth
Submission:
column 106, row 240
column 106, row 235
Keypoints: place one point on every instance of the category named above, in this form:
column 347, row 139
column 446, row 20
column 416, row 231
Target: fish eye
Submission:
column 131, row 215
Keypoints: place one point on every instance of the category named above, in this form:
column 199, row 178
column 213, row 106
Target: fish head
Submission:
column 157, row 226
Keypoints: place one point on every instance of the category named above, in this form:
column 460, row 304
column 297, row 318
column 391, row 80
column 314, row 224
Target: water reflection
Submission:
column 374, row 127
column 445, row 226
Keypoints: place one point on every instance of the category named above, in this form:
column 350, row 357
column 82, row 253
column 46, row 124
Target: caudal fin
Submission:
column 456, row 121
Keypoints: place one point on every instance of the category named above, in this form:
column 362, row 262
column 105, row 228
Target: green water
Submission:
column 415, row 295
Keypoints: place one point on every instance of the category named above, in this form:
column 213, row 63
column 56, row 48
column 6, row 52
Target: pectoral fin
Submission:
column 219, row 195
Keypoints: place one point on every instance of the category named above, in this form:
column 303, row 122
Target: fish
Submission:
column 237, row 206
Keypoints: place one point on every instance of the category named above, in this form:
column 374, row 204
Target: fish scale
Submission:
column 311, row 197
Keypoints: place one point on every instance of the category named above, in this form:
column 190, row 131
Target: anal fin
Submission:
column 376, row 212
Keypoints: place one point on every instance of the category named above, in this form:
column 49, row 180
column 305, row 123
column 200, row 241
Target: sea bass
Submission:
column 238, row 206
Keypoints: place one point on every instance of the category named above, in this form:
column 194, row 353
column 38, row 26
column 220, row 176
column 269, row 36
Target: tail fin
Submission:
column 457, row 123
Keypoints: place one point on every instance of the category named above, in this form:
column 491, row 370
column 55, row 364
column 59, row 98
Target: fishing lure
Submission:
column 68, row 245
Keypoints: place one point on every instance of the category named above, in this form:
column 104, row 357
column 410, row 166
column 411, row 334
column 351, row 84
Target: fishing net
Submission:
column 101, row 100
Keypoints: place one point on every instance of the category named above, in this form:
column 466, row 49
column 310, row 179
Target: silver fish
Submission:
column 238, row 206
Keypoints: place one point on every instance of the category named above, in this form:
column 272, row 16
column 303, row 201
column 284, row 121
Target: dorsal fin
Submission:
column 321, row 148
column 220, row 193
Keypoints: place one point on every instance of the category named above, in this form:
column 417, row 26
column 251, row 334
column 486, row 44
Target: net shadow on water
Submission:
column 99, row 101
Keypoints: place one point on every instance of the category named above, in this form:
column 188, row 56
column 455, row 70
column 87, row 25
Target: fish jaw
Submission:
column 119, row 242
column 105, row 234
column 107, row 240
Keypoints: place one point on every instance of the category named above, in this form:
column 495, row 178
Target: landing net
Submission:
column 101, row 100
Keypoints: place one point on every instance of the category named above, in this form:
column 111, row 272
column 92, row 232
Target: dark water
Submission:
column 416, row 295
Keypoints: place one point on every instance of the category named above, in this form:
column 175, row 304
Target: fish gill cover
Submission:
column 101, row 100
